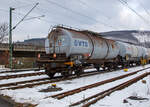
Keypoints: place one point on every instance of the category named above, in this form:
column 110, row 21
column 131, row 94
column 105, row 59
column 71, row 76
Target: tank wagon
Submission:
column 132, row 53
column 69, row 50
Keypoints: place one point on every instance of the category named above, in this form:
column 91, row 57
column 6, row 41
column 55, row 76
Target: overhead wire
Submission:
column 23, row 6
column 146, row 11
column 25, row 16
column 16, row 13
column 83, row 15
column 143, row 33
column 88, row 17
column 107, row 17
column 75, row 12
column 146, row 21
column 6, row 11
column 48, row 11
column 47, row 21
column 22, row 14
column 84, row 3
column 134, row 11
column 78, row 13
column 30, row 16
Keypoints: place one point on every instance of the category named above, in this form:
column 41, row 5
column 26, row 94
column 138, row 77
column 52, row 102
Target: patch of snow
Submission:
column 4, row 69
column 116, row 99
column 32, row 95
column 23, row 72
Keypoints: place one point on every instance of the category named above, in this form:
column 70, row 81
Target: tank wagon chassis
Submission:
column 66, row 66
column 69, row 51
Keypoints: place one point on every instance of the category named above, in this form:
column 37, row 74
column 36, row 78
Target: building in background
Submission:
column 34, row 41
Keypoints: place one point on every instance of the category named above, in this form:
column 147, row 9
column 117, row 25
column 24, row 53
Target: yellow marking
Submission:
column 143, row 61
column 125, row 70
column 54, row 85
column 69, row 63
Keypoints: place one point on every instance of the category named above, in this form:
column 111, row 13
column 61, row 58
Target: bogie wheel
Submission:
column 79, row 71
column 65, row 74
column 51, row 75
column 97, row 66
column 98, row 69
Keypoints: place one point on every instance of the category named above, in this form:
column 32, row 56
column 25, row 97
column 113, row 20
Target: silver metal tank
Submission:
column 145, row 52
column 73, row 42
column 134, row 51
column 58, row 42
column 148, row 51
column 131, row 50
column 142, row 52
column 95, row 47
column 125, row 49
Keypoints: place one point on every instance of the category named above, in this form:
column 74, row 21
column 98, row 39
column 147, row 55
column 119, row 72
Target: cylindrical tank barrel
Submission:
column 82, row 43
column 124, row 49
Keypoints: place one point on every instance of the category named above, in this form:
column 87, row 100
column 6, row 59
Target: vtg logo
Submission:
column 81, row 43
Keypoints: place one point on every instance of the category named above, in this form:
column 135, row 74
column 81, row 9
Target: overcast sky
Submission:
column 95, row 15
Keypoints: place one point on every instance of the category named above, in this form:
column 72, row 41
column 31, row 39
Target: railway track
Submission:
column 87, row 101
column 21, row 75
column 20, row 70
column 29, row 83
column 36, row 82
column 22, row 82
column 25, row 84
column 94, row 98
column 100, row 95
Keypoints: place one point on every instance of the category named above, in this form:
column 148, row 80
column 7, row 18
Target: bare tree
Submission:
column 3, row 32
